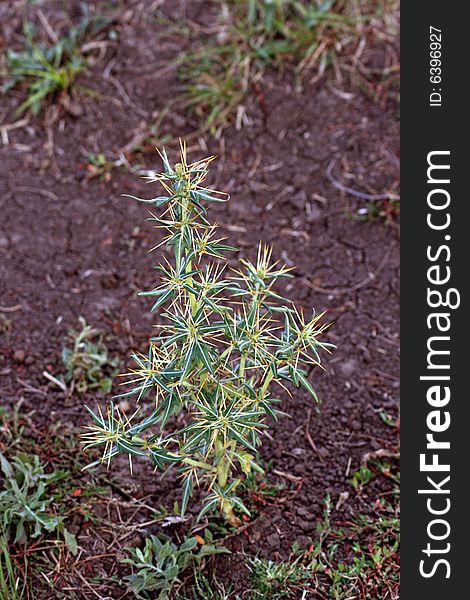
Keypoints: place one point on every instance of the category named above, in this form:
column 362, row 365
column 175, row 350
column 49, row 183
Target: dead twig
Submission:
column 309, row 436
column 55, row 381
column 288, row 476
column 4, row 129
column 45, row 193
column 30, row 388
column 377, row 454
column 9, row 309
column 340, row 291
column 347, row 190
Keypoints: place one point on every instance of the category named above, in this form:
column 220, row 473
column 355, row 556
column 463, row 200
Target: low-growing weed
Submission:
column 274, row 580
column 24, row 501
column 159, row 565
column 387, row 211
column 361, row 477
column 305, row 36
column 86, row 360
column 48, row 70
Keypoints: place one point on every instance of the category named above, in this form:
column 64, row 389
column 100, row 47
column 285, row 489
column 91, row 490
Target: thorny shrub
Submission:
column 223, row 341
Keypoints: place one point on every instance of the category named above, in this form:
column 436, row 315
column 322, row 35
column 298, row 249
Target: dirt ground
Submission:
column 71, row 246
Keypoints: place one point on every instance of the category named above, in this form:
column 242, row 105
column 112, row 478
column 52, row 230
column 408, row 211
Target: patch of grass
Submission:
column 13, row 575
column 387, row 211
column 98, row 165
column 360, row 559
column 86, row 359
column 307, row 37
column 205, row 588
column 353, row 559
column 273, row 580
column 48, row 71
column 41, row 487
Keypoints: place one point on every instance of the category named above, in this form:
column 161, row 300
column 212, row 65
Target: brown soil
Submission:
column 72, row 246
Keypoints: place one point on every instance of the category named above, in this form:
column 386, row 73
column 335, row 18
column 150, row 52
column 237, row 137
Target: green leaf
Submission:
column 208, row 505
column 188, row 544
column 308, row 386
column 6, row 467
column 71, row 542
column 239, row 437
column 159, row 201
column 187, row 492
column 205, row 357
column 236, row 501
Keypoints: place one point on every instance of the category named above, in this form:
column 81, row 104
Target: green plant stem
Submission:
column 222, row 470
column 192, row 297
column 242, row 367
column 223, row 467
column 267, row 381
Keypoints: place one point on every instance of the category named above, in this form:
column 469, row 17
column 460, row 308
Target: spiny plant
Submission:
column 223, row 341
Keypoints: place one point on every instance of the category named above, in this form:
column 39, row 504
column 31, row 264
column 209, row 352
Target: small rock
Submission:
column 314, row 214
column 304, row 541
column 348, row 367
column 124, row 405
column 19, row 356
column 273, row 540
column 343, row 497
column 307, row 526
column 305, row 513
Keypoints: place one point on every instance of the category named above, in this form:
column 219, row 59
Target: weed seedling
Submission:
column 48, row 70
column 360, row 559
column 360, row 478
column 158, row 567
column 223, row 341
column 24, row 501
column 86, row 360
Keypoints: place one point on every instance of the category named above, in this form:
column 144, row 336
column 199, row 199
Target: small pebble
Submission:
column 305, row 513
column 19, row 356
column 273, row 540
